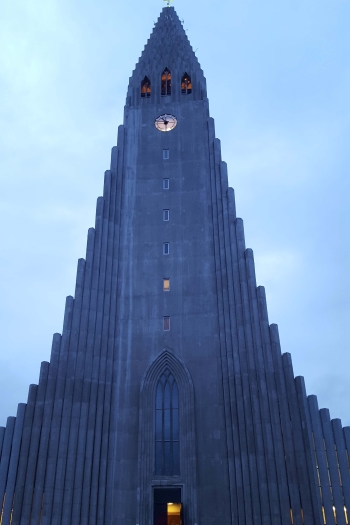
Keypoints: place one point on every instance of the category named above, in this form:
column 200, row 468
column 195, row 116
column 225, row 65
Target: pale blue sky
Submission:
column 278, row 77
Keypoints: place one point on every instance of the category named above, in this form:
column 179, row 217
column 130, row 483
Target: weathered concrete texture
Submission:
column 254, row 449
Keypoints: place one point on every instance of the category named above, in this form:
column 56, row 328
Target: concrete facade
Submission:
column 253, row 448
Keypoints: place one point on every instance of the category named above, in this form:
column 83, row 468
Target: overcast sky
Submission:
column 278, row 77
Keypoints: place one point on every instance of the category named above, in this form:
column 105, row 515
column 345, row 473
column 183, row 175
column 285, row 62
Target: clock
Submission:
column 165, row 122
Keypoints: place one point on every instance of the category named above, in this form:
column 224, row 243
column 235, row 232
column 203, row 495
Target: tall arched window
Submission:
column 186, row 84
column 167, row 426
column 146, row 88
column 166, row 83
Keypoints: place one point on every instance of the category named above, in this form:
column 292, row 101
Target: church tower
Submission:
column 167, row 400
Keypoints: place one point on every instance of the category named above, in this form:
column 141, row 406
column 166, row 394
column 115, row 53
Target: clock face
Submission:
column 165, row 122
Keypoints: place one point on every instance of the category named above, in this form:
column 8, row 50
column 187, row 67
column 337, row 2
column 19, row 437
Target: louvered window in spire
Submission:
column 186, row 84
column 146, row 88
column 166, row 83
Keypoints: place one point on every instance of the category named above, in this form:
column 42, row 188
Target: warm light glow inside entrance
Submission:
column 167, row 506
column 174, row 514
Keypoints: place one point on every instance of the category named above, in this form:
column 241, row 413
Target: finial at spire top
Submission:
column 168, row 2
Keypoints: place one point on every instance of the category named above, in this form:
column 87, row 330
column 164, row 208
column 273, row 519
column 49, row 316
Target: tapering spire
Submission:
column 168, row 44
column 168, row 47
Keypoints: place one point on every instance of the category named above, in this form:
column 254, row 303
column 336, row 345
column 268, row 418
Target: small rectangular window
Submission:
column 165, row 154
column 165, row 184
column 165, row 215
column 166, row 285
column 166, row 324
column 166, row 248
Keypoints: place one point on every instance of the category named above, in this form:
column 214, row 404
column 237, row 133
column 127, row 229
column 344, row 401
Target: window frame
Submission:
column 166, row 248
column 166, row 154
column 166, row 184
column 186, row 84
column 166, row 215
column 167, row 426
column 165, row 83
column 166, row 322
column 166, row 280
column 146, row 87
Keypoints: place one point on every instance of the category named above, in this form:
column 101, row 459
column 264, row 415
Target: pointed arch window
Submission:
column 146, row 88
column 186, row 84
column 166, row 83
column 167, row 453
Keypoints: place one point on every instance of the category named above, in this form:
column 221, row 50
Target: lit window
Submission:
column 145, row 88
column 165, row 184
column 186, row 85
column 166, row 324
column 165, row 215
column 166, row 83
column 166, row 285
column 165, row 154
column 166, row 248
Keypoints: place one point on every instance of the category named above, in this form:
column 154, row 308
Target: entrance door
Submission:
column 167, row 507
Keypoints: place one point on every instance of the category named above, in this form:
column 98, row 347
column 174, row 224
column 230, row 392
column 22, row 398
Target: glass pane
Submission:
column 161, row 514
column 167, row 396
column 167, row 459
column 166, row 285
column 159, row 425
column 167, row 424
column 175, row 396
column 165, row 184
column 176, row 459
column 159, row 458
column 159, row 395
column 167, row 323
column 175, row 435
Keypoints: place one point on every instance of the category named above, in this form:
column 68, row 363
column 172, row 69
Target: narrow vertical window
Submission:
column 166, row 83
column 166, row 324
column 166, row 248
column 166, row 285
column 145, row 88
column 167, row 454
column 165, row 184
column 186, row 85
column 166, row 215
column 165, row 154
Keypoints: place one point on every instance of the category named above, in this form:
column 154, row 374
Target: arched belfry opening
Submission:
column 166, row 83
column 186, row 84
column 146, row 88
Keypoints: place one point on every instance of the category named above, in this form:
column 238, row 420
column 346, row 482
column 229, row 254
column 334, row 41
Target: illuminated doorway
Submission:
column 167, row 507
